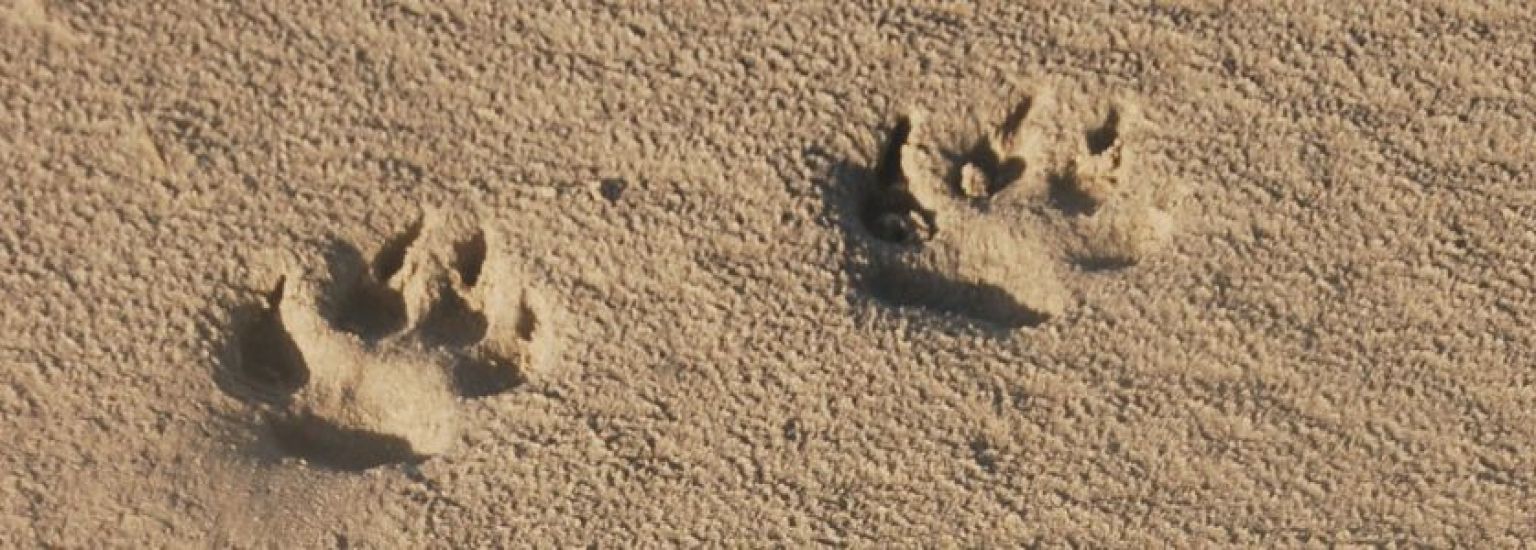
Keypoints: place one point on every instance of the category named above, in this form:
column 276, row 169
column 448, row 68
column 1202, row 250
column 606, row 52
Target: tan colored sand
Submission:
column 1152, row 273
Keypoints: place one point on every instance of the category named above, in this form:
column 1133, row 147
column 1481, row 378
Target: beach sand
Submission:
column 554, row 273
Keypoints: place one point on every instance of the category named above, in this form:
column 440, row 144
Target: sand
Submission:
column 478, row 274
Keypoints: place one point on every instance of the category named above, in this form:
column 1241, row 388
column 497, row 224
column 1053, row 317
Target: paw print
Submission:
column 995, row 232
column 374, row 373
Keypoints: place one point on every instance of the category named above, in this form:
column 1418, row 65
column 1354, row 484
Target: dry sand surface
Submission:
column 380, row 273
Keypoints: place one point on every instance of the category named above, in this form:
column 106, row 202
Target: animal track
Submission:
column 374, row 374
column 990, row 232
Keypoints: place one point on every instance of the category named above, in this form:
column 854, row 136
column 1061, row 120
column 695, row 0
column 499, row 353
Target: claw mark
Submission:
column 391, row 257
column 527, row 320
column 888, row 168
column 1102, row 138
column 890, row 212
column 275, row 297
column 1008, row 131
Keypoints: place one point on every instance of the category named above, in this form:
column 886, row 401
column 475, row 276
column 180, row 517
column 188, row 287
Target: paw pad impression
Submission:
column 991, row 231
column 373, row 374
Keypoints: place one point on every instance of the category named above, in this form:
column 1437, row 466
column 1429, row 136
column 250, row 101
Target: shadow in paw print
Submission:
column 469, row 258
column 351, row 378
column 849, row 207
column 1106, row 263
column 269, row 367
column 363, row 303
column 877, row 217
column 1077, row 194
column 452, row 322
column 476, row 379
column 327, row 444
column 926, row 289
column 494, row 369
column 983, row 155
column 267, row 363
column 935, row 238
column 1102, row 138
column 888, row 210
column 1068, row 196
column 998, row 172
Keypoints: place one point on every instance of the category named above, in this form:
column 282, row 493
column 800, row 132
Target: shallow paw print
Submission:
column 994, row 231
column 373, row 374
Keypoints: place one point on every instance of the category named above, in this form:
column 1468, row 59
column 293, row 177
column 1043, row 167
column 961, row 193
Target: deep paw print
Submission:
column 374, row 373
column 996, row 230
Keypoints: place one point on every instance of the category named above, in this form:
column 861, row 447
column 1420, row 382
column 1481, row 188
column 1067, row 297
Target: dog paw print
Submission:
column 372, row 370
column 996, row 231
